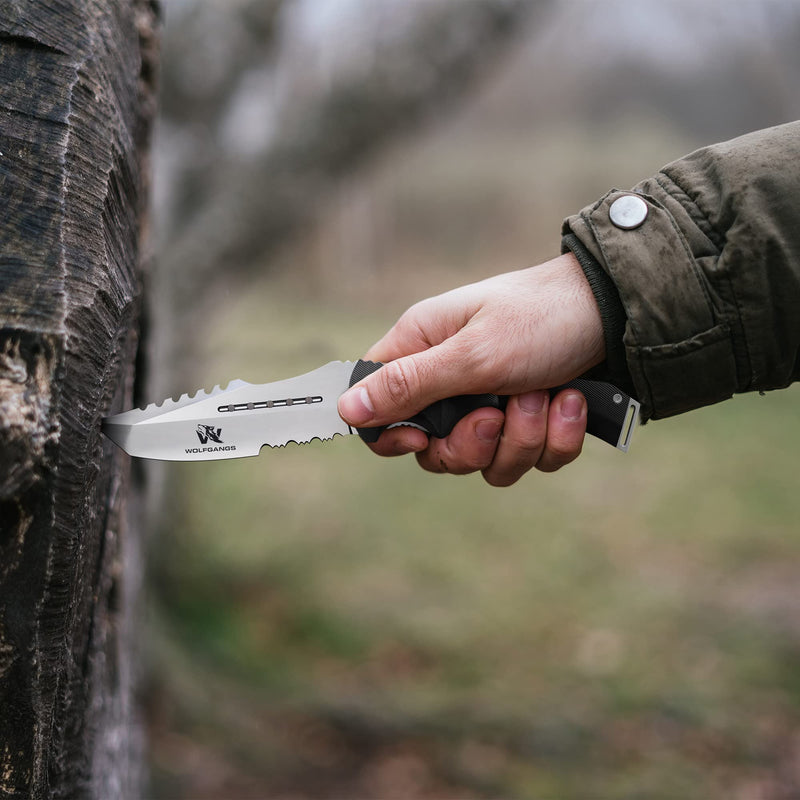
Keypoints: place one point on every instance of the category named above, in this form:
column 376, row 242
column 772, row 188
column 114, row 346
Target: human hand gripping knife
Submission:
column 239, row 420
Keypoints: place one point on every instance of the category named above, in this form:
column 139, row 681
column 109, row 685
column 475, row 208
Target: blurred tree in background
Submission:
column 324, row 625
column 260, row 120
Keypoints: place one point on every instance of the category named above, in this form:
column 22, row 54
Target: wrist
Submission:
column 609, row 304
column 589, row 343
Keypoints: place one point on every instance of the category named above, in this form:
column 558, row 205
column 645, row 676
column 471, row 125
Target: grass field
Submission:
column 329, row 624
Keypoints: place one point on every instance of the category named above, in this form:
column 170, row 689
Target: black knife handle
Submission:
column 612, row 414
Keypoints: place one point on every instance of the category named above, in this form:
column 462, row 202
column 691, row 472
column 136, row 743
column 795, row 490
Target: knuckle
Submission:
column 524, row 451
column 558, row 454
column 547, row 466
column 447, row 456
column 499, row 480
column 472, row 456
column 400, row 381
column 511, row 470
column 431, row 464
column 473, row 465
column 563, row 452
column 528, row 451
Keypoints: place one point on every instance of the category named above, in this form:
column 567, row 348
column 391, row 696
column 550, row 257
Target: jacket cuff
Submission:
column 612, row 313
column 678, row 352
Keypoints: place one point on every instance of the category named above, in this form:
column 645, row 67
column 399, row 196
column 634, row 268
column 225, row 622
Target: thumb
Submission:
column 405, row 386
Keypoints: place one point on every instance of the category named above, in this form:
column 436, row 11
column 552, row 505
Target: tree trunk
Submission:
column 76, row 102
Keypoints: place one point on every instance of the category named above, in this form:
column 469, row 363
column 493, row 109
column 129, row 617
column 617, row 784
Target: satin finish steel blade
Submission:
column 237, row 421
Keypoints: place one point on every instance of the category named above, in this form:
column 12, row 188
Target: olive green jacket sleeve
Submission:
column 707, row 285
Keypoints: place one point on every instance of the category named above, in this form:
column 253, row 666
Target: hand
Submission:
column 514, row 334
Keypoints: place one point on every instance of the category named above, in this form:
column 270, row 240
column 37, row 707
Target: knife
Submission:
column 239, row 420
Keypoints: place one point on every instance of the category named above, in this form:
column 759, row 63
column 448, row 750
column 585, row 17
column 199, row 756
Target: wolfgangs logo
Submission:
column 208, row 433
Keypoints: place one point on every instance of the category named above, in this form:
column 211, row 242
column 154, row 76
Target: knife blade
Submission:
column 237, row 421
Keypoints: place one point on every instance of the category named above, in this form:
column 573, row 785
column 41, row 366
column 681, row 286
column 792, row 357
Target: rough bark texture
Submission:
column 76, row 101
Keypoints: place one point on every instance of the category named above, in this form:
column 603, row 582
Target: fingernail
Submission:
column 488, row 430
column 532, row 402
column 572, row 406
column 355, row 406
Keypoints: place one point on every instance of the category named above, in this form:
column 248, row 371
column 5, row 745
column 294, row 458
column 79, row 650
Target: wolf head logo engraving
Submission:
column 208, row 433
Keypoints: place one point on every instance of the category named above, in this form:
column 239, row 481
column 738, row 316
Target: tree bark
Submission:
column 76, row 102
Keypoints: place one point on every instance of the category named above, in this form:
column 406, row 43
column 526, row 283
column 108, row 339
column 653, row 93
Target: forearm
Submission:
column 709, row 282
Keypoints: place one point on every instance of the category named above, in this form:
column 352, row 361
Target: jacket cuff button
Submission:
column 628, row 212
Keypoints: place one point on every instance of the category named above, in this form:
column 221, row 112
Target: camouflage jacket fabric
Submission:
column 698, row 284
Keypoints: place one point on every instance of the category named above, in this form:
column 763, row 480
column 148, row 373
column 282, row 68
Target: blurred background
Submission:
column 324, row 624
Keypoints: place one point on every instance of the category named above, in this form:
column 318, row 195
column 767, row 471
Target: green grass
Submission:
column 624, row 628
column 329, row 624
